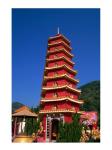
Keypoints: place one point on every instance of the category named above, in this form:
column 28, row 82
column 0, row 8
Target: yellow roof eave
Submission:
column 63, row 49
column 62, row 99
column 58, row 58
column 60, row 87
column 60, row 111
column 62, row 42
column 60, row 76
column 58, row 67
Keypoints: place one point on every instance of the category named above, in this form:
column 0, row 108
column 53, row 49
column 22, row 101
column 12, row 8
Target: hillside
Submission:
column 16, row 105
column 91, row 96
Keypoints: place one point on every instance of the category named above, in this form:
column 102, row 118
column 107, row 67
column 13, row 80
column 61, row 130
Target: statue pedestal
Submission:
column 23, row 139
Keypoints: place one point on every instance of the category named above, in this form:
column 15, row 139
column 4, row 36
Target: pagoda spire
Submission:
column 58, row 30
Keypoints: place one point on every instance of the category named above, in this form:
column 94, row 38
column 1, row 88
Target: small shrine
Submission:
column 18, row 124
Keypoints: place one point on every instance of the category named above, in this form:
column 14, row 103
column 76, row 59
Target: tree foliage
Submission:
column 32, row 126
column 91, row 96
column 70, row 132
column 16, row 105
column 36, row 109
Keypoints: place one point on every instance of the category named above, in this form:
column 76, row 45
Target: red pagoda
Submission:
column 59, row 92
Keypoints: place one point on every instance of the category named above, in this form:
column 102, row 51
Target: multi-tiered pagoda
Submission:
column 59, row 89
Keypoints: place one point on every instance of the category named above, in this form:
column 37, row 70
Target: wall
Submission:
column 68, row 118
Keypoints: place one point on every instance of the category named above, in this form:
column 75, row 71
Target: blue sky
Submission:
column 31, row 29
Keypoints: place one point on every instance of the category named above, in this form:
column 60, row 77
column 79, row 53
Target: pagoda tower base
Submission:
column 51, row 125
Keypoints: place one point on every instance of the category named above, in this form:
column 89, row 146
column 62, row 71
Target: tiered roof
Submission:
column 47, row 78
column 67, row 87
column 59, row 36
column 61, row 67
column 62, row 99
column 60, row 50
column 24, row 111
column 61, row 58
column 60, row 43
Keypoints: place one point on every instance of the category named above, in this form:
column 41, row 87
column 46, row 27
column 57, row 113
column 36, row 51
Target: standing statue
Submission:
column 23, row 125
column 40, row 133
column 19, row 128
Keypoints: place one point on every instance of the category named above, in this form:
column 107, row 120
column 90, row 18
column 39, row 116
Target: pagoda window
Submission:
column 56, row 65
column 55, row 95
column 73, row 108
column 71, row 96
column 69, row 84
column 55, row 84
column 54, row 107
column 55, row 74
column 56, row 49
column 55, row 56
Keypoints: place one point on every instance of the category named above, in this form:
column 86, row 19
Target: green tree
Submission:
column 91, row 96
column 36, row 109
column 61, row 137
column 32, row 125
column 70, row 132
column 76, row 128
